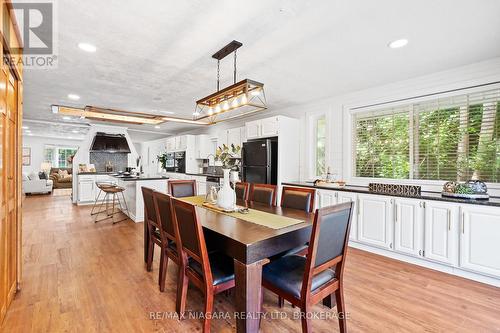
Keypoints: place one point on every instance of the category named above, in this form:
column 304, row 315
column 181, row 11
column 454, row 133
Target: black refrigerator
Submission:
column 260, row 161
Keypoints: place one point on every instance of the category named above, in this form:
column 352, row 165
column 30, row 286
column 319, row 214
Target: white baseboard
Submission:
column 426, row 263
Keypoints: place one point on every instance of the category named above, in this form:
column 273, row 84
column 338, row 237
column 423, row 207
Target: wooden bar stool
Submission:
column 113, row 192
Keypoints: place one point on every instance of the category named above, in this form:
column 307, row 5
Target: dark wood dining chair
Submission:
column 242, row 190
column 306, row 281
column 212, row 273
column 153, row 227
column 164, row 216
column 298, row 198
column 182, row 188
column 263, row 193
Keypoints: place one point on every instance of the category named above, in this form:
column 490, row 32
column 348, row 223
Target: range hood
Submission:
column 109, row 143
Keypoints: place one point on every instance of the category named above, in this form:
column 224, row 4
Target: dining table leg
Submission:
column 248, row 281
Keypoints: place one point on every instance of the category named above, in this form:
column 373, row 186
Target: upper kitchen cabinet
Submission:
column 181, row 142
column 230, row 136
column 203, row 146
column 170, row 146
column 263, row 128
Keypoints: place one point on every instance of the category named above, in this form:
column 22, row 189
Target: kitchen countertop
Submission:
column 206, row 174
column 141, row 177
column 96, row 173
column 425, row 195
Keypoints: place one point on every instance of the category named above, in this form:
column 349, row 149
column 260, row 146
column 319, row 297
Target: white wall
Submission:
column 37, row 144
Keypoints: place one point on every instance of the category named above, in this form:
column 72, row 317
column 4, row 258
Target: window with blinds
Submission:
column 452, row 138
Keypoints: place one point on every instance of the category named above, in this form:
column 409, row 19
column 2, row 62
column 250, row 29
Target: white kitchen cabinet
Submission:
column 252, row 129
column 181, row 142
column 409, row 226
column 234, row 136
column 201, row 188
column 480, row 239
column 347, row 197
column 441, row 221
column 203, row 146
column 269, row 127
column 86, row 192
column 326, row 198
column 262, row 128
column 170, row 145
column 375, row 220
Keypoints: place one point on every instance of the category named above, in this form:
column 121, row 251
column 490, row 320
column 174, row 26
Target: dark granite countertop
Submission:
column 96, row 173
column 206, row 174
column 141, row 177
column 425, row 195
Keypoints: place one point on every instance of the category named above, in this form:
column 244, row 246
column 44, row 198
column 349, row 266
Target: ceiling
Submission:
column 156, row 55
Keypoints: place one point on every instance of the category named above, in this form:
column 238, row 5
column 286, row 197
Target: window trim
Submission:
column 312, row 119
column 349, row 112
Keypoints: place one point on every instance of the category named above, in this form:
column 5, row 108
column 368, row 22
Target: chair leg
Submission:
column 209, row 304
column 306, row 322
column 281, row 301
column 151, row 251
column 163, row 270
column 339, row 297
column 182, row 287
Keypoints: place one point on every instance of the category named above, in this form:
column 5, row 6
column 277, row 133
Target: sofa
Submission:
column 33, row 184
column 62, row 177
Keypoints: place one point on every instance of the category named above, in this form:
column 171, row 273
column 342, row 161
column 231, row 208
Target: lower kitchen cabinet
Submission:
column 441, row 222
column 479, row 240
column 86, row 190
column 375, row 220
column 409, row 226
column 346, row 197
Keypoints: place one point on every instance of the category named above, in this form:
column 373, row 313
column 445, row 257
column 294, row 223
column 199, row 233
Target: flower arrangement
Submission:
column 229, row 156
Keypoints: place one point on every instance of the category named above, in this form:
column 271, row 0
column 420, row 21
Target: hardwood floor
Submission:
column 86, row 277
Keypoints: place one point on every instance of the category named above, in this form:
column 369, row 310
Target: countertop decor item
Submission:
column 226, row 197
column 403, row 190
column 472, row 189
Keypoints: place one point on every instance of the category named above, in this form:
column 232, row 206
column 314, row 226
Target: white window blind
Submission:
column 448, row 138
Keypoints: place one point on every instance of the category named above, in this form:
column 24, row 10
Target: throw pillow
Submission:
column 42, row 175
column 33, row 176
column 63, row 173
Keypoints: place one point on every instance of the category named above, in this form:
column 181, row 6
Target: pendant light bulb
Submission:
column 210, row 111
column 225, row 106
column 217, row 108
column 255, row 92
column 244, row 99
column 234, row 104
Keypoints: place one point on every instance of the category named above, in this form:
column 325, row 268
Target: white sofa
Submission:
column 33, row 184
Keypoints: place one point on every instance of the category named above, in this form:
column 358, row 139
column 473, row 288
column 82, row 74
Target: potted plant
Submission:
column 229, row 157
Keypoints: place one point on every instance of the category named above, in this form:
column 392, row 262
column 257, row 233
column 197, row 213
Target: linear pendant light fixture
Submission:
column 237, row 100
column 118, row 116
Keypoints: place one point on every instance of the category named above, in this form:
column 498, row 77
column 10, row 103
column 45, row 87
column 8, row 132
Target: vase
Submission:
column 226, row 198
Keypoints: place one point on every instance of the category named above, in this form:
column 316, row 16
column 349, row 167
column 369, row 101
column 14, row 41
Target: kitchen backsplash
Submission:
column 118, row 160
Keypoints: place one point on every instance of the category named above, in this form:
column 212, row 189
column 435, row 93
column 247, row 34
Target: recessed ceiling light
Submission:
column 30, row 134
column 74, row 131
column 66, row 118
column 167, row 112
column 157, row 127
column 70, row 137
column 73, row 97
column 28, row 131
column 87, row 47
column 25, row 127
column 396, row 44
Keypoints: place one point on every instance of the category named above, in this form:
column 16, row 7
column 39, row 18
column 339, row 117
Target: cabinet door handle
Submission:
column 396, row 213
column 419, row 252
column 449, row 220
column 463, row 223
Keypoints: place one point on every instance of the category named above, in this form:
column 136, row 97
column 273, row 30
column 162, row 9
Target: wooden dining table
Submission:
column 250, row 245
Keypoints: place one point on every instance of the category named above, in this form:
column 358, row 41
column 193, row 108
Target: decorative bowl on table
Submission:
column 472, row 189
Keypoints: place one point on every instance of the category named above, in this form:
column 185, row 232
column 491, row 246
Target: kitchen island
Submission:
column 88, row 191
column 133, row 192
